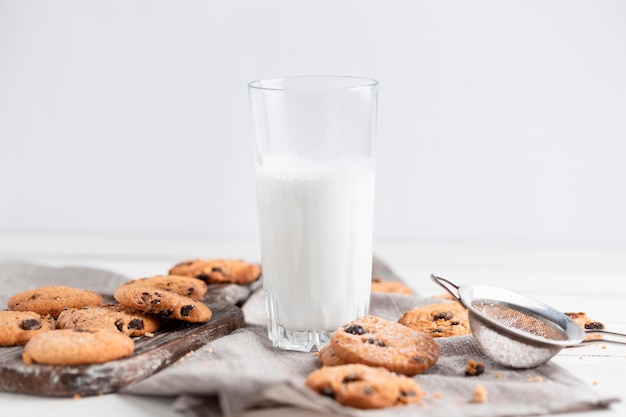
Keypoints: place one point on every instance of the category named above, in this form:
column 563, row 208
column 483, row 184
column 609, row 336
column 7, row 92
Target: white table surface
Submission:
column 590, row 279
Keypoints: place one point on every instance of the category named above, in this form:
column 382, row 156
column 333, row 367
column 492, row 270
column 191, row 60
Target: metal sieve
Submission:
column 517, row 331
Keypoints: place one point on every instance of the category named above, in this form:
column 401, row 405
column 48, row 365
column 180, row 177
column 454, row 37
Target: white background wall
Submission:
column 498, row 121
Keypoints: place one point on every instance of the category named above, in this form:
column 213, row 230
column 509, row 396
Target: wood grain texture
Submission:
column 151, row 354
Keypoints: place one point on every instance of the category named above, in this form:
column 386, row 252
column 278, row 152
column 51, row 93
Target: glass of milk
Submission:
column 315, row 191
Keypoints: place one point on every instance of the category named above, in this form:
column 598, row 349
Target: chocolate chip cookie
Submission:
column 394, row 287
column 328, row 357
column 188, row 286
column 77, row 347
column 52, row 299
column 364, row 387
column 587, row 323
column 111, row 316
column 375, row 341
column 18, row 327
column 162, row 302
column 438, row 320
column 218, row 271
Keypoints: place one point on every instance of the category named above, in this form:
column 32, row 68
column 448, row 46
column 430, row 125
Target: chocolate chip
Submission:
column 203, row 277
column 34, row 296
column 350, row 378
column 409, row 393
column 596, row 325
column 119, row 323
column 217, row 269
column 328, row 392
column 437, row 330
column 418, row 359
column 135, row 324
column 186, row 310
column 355, row 329
column 155, row 302
column 378, row 342
column 30, row 324
column 368, row 390
column 455, row 323
column 145, row 297
column 190, row 290
column 443, row 315
column 166, row 313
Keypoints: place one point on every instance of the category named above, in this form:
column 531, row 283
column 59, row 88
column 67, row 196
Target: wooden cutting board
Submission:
column 151, row 355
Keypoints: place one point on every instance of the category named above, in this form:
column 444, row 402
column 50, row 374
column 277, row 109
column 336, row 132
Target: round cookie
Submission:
column 110, row 316
column 77, row 347
column 375, row 341
column 218, row 271
column 364, row 387
column 188, row 286
column 52, row 299
column 438, row 320
column 18, row 327
column 328, row 357
column 162, row 302
column 393, row 287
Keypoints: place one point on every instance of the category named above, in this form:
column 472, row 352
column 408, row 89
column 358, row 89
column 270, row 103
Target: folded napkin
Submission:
column 243, row 373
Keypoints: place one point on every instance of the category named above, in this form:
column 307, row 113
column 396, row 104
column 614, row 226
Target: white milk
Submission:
column 316, row 220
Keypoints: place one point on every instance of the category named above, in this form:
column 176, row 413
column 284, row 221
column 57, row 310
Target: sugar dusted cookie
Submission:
column 77, row 347
column 364, row 387
column 328, row 357
column 111, row 316
column 18, row 327
column 162, row 302
column 375, row 341
column 52, row 299
column 218, row 270
column 438, row 320
column 188, row 286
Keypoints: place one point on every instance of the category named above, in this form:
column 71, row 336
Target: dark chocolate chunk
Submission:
column 135, row 324
column 30, row 324
column 186, row 310
column 355, row 329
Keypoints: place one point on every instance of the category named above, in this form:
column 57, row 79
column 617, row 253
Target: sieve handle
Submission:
column 447, row 285
column 607, row 337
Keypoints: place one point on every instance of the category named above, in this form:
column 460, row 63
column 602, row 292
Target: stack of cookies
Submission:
column 369, row 361
column 62, row 325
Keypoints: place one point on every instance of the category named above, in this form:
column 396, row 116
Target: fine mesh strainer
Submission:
column 517, row 331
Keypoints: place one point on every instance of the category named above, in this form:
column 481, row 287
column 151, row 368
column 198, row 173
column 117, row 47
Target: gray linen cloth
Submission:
column 242, row 373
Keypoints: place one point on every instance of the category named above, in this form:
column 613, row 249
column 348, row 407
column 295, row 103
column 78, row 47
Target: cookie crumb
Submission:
column 437, row 395
column 531, row 378
column 496, row 375
column 76, row 397
column 595, row 383
column 480, row 394
column 149, row 334
column 209, row 350
column 474, row 368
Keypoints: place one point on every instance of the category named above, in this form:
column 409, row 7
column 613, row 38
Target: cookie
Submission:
column 587, row 323
column 52, row 299
column 218, row 271
column 438, row 320
column 393, row 287
column 162, row 302
column 375, row 341
column 110, row 316
column 328, row 357
column 364, row 387
column 191, row 287
column 18, row 327
column 77, row 347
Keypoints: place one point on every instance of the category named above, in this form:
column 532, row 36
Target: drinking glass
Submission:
column 315, row 138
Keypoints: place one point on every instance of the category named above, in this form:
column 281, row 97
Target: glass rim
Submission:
column 351, row 83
